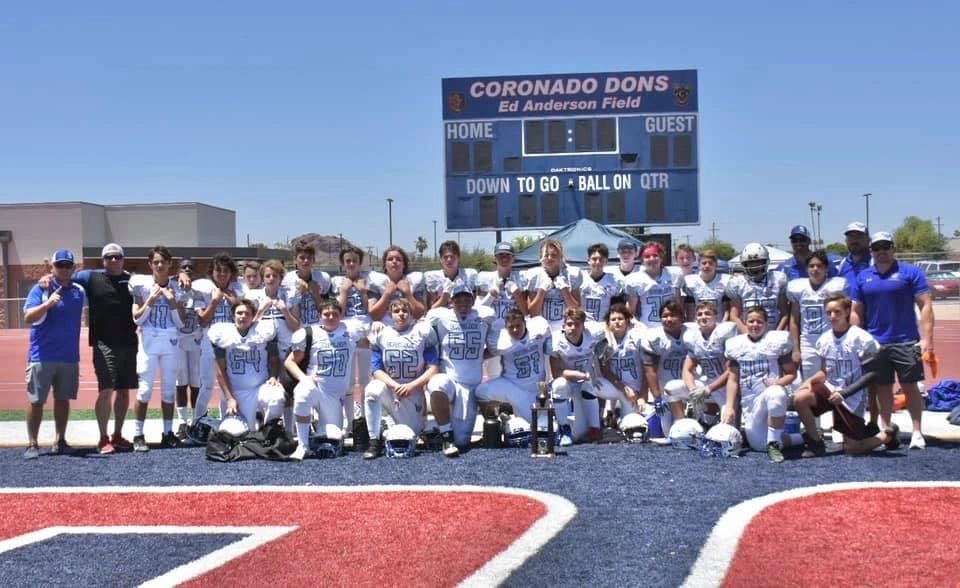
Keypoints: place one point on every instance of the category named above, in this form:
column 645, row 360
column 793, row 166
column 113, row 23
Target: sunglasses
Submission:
column 63, row 264
column 113, row 257
column 186, row 268
column 881, row 247
column 799, row 240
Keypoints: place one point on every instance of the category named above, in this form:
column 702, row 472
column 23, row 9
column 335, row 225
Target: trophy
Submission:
column 544, row 428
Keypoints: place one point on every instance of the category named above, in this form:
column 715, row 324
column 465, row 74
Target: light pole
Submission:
column 819, row 232
column 866, row 198
column 434, row 240
column 390, row 218
column 341, row 249
column 813, row 223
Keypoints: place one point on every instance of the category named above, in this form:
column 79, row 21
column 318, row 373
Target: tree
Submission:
column 421, row 245
column 478, row 259
column 523, row 241
column 917, row 234
column 838, row 248
column 723, row 249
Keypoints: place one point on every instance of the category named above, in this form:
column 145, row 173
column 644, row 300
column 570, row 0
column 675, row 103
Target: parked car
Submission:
column 944, row 284
column 930, row 267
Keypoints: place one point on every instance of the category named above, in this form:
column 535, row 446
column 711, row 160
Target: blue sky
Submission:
column 307, row 116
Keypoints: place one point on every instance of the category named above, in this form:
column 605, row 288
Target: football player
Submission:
column 159, row 314
column 663, row 355
column 577, row 377
column 761, row 367
column 502, row 290
column 650, row 289
column 842, row 351
column 807, row 320
column 220, row 292
column 395, row 283
column 404, row 358
column 248, row 363
column 706, row 286
column 522, row 346
column 327, row 379
column 188, row 351
column 352, row 293
column 462, row 334
column 704, row 368
column 598, row 288
column 758, row 286
column 554, row 286
column 685, row 258
column 307, row 286
column 627, row 261
column 252, row 278
column 620, row 358
column 440, row 283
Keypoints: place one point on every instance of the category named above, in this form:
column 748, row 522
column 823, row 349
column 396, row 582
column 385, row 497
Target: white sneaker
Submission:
column 917, row 441
column 299, row 453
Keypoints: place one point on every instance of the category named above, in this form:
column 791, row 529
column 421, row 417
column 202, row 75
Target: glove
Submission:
column 546, row 286
column 659, row 406
column 560, row 283
column 447, row 287
column 510, row 288
column 699, row 394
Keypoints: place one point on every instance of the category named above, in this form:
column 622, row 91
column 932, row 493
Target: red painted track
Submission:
column 13, row 352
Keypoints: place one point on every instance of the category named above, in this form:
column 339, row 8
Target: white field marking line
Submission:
column 560, row 511
column 717, row 553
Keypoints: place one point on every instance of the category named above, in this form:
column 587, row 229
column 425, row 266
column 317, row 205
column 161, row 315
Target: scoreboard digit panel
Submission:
column 547, row 150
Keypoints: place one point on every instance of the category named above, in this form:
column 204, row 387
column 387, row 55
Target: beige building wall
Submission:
column 217, row 227
column 41, row 229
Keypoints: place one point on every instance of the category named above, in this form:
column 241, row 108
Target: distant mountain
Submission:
column 327, row 246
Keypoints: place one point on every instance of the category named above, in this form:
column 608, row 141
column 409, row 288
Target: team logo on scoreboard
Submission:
column 681, row 94
column 456, row 102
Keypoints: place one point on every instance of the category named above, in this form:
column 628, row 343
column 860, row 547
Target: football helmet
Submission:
column 328, row 442
column 517, row 432
column 686, row 434
column 722, row 440
column 233, row 426
column 755, row 259
column 400, row 441
column 634, row 428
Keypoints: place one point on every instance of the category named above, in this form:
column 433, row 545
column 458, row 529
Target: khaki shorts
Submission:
column 64, row 377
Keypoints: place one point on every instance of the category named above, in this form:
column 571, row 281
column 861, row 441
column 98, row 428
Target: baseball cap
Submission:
column 856, row 227
column 503, row 247
column 627, row 244
column 111, row 249
column 800, row 231
column 61, row 255
column 881, row 236
column 460, row 289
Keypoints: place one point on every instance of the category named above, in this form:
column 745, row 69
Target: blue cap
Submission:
column 800, row 231
column 503, row 247
column 459, row 289
column 62, row 255
column 627, row 244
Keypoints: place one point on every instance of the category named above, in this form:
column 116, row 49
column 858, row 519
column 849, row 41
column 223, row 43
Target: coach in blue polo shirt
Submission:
column 796, row 266
column 883, row 301
column 858, row 252
column 53, row 314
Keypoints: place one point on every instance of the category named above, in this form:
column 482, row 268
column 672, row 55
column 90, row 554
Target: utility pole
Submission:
column 686, row 238
column 713, row 231
column 434, row 240
column 390, row 218
column 938, row 228
column 866, row 197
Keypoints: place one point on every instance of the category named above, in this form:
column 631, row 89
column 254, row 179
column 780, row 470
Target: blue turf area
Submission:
column 104, row 559
column 644, row 511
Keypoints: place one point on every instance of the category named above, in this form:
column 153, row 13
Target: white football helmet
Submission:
column 517, row 432
column 634, row 428
column 327, row 443
column 755, row 259
column 686, row 434
column 233, row 426
column 400, row 441
column 722, row 440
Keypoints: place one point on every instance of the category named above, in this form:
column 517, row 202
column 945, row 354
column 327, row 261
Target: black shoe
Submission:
column 893, row 437
column 813, row 447
column 170, row 440
column 140, row 444
column 374, row 450
column 773, row 451
column 182, row 431
column 448, row 447
column 61, row 447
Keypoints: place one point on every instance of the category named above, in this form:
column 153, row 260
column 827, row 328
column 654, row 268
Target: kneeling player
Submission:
column 248, row 362
column 523, row 345
column 663, row 355
column 839, row 385
column 704, row 346
column 327, row 378
column 404, row 359
column 760, row 366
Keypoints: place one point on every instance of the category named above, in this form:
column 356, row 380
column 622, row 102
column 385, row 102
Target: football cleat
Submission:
column 566, row 436
column 773, row 451
column 140, row 444
column 448, row 447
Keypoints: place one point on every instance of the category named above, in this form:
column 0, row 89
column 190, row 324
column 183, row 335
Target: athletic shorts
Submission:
column 116, row 367
column 63, row 377
column 902, row 359
column 844, row 420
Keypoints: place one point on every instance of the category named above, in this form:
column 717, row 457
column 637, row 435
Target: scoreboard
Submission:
column 542, row 151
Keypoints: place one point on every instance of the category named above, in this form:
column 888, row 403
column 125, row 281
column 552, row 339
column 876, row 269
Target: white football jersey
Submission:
column 553, row 303
column 595, row 295
column 813, row 317
column 273, row 315
column 355, row 305
column 377, row 282
column 190, row 333
column 766, row 294
column 435, row 280
column 624, row 357
column 697, row 290
column 223, row 313
column 669, row 352
column 524, row 360
column 402, row 353
column 462, row 342
column 758, row 359
column 619, row 274
column 330, row 355
column 162, row 319
column 709, row 351
column 843, row 359
column 246, row 355
column 502, row 302
column 581, row 358
column 652, row 293
column 302, row 300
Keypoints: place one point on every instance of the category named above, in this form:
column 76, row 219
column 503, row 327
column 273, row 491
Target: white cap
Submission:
column 881, row 236
column 856, row 227
column 111, row 249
